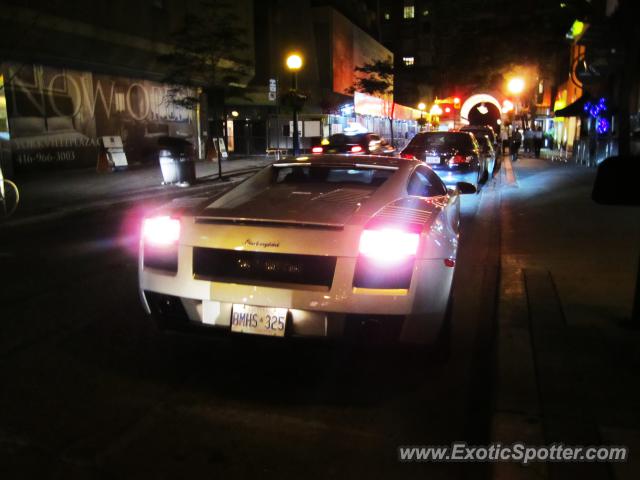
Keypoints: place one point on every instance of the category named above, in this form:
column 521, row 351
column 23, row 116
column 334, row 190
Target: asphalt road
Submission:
column 90, row 389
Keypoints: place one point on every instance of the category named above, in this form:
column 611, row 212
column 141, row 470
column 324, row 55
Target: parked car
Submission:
column 482, row 130
column 454, row 155
column 324, row 246
column 359, row 143
column 487, row 150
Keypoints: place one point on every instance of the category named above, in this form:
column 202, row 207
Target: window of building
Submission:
column 387, row 16
column 408, row 61
column 409, row 11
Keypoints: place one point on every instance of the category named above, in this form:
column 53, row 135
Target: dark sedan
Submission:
column 359, row 143
column 454, row 155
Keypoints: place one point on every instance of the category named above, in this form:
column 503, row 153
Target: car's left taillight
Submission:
column 386, row 258
column 160, row 236
column 317, row 150
column 160, row 231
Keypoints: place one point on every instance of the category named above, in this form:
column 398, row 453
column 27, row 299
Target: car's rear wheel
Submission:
column 438, row 348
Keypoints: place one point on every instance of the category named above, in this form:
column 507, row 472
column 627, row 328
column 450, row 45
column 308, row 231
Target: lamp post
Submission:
column 422, row 107
column 294, row 63
column 515, row 86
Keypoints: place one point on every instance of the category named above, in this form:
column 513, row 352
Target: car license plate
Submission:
column 258, row 320
column 432, row 160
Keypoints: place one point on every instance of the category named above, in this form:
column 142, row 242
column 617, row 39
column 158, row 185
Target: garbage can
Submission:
column 176, row 157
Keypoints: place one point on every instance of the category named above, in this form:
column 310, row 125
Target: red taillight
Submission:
column 388, row 245
column 408, row 156
column 449, row 262
column 458, row 159
column 161, row 231
column 356, row 149
column 316, row 150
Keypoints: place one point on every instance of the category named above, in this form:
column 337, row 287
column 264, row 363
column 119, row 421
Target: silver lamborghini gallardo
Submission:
column 332, row 246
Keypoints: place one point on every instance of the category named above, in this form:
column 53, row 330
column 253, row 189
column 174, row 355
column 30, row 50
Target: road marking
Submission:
column 510, row 176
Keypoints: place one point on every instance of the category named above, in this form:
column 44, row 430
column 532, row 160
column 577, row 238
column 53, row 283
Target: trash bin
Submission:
column 176, row 157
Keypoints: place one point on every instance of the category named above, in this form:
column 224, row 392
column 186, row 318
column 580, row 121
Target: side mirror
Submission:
column 617, row 181
column 465, row 188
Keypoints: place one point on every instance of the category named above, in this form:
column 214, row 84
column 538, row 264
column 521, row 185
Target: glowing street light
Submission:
column 422, row 122
column 435, row 110
column 515, row 85
column 294, row 63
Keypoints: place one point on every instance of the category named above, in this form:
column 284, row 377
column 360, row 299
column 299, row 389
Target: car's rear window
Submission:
column 333, row 176
column 479, row 132
column 425, row 141
column 342, row 139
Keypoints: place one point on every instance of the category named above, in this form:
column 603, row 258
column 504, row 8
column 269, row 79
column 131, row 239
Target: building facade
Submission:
column 72, row 72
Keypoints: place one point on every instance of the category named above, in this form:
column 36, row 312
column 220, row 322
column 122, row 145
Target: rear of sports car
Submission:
column 302, row 251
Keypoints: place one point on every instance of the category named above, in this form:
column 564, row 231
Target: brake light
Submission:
column 356, row 149
column 388, row 245
column 458, row 159
column 408, row 156
column 161, row 231
column 317, row 150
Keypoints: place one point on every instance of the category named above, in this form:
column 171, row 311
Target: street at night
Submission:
column 91, row 388
column 319, row 239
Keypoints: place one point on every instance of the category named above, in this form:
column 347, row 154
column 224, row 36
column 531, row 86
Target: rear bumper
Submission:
column 182, row 302
column 189, row 316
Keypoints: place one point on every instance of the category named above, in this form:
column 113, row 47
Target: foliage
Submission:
column 478, row 48
column 206, row 53
column 376, row 78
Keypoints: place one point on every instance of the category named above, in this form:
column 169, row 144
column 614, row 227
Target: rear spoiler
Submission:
column 372, row 166
column 267, row 223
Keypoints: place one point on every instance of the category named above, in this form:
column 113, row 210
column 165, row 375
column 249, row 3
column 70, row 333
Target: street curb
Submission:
column 174, row 192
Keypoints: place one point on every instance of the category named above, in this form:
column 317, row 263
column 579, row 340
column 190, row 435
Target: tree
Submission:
column 470, row 50
column 376, row 78
column 207, row 55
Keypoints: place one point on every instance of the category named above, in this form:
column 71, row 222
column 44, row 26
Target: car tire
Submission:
column 438, row 349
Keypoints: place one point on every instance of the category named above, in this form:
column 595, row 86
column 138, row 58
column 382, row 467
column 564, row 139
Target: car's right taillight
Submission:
column 386, row 258
column 460, row 160
column 408, row 156
column 388, row 245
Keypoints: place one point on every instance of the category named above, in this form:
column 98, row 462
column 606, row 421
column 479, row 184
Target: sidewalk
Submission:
column 567, row 371
column 63, row 192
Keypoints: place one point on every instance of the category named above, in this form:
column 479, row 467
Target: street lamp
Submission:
column 422, row 107
column 515, row 86
column 294, row 63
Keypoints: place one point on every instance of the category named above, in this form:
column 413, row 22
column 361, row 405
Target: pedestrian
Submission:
column 527, row 141
column 516, row 141
column 504, row 137
column 537, row 141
